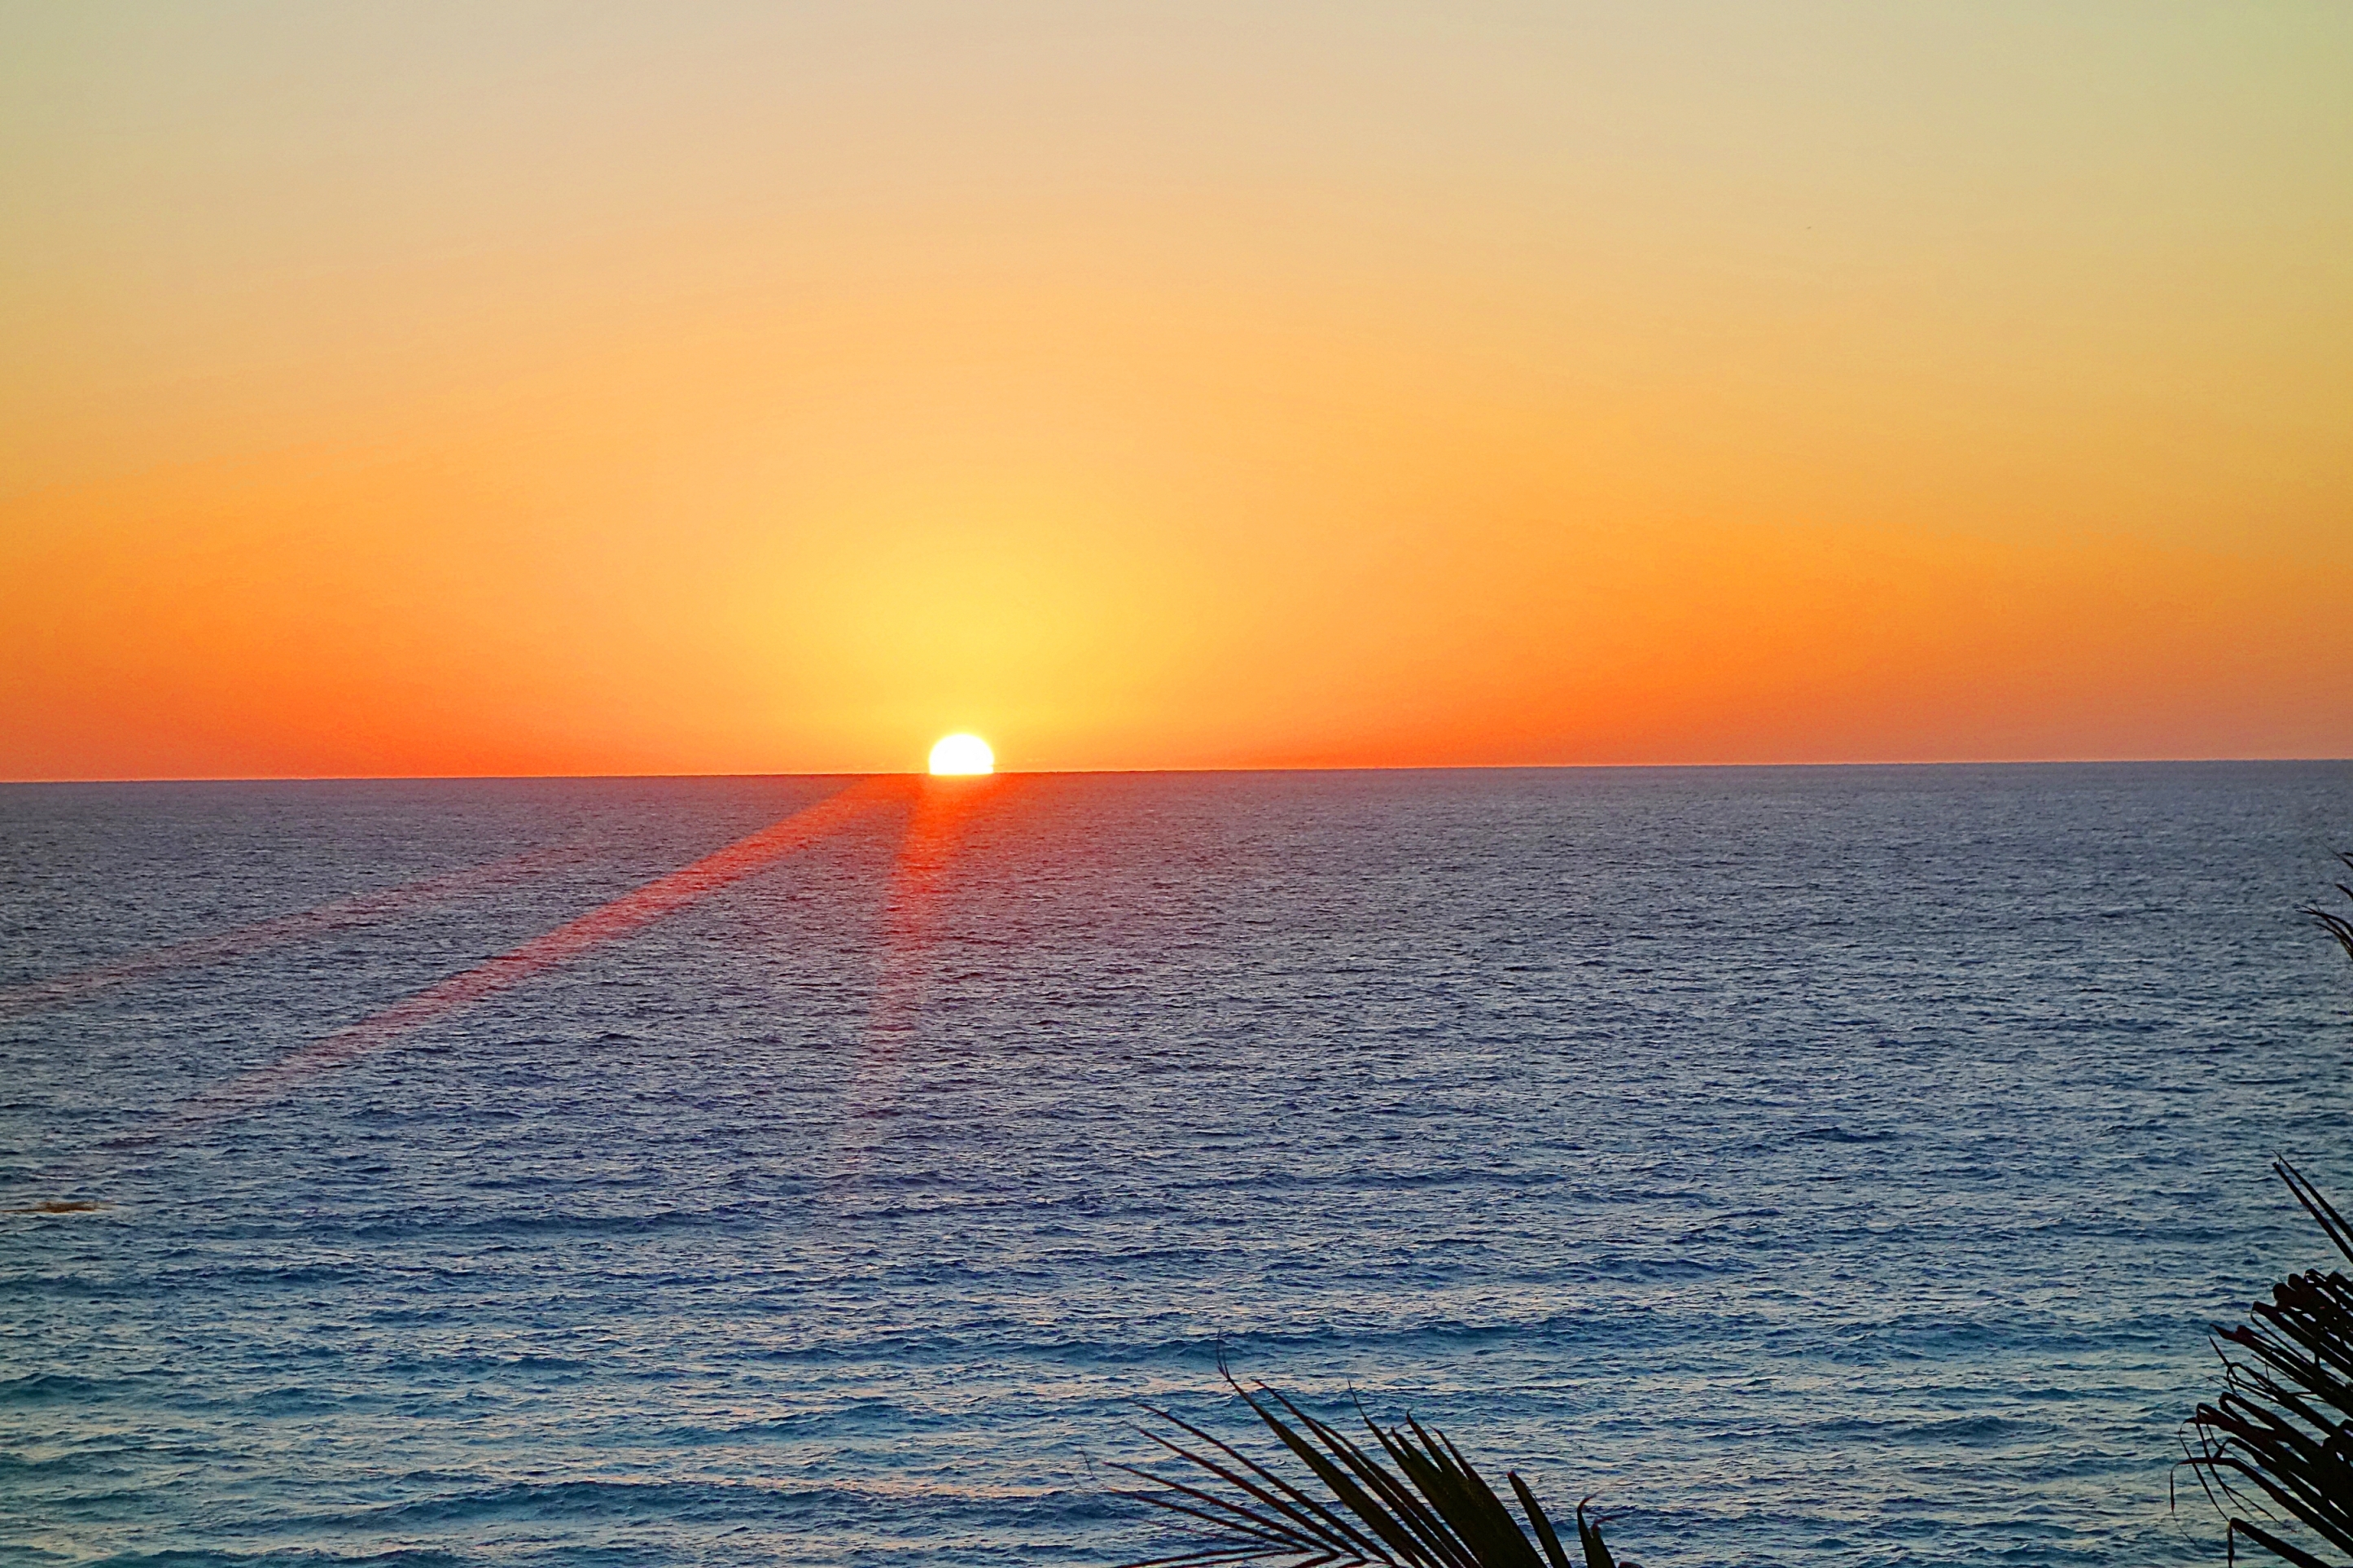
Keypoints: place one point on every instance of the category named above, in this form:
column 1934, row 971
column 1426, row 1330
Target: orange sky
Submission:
column 540, row 388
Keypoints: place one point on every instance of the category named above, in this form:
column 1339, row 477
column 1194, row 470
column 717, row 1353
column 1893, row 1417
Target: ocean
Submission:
column 1814, row 1165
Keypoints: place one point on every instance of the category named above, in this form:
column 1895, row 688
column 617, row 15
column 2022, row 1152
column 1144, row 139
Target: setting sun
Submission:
column 963, row 755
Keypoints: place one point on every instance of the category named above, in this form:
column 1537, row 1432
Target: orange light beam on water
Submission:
column 663, row 896
column 942, row 808
column 342, row 914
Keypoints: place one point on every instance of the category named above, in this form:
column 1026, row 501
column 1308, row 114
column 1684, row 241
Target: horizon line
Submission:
column 1110, row 772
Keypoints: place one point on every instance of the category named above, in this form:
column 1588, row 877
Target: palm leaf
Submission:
column 2278, row 1442
column 1407, row 1498
column 2335, row 924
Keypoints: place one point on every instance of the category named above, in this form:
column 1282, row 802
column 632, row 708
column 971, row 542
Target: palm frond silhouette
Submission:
column 1400, row 1497
column 2335, row 924
column 2278, row 1442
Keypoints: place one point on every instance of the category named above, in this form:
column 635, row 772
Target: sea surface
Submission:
column 1817, row 1166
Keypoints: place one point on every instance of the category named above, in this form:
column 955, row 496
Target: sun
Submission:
column 963, row 755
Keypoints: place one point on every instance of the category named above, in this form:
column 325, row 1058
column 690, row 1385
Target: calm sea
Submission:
column 1822, row 1166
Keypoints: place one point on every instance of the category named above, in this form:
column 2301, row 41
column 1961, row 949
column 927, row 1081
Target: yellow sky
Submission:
column 563, row 388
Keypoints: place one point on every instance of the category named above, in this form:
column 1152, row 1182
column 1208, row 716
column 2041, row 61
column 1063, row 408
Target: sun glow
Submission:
column 963, row 755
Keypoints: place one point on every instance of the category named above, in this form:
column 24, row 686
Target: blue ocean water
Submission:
column 1822, row 1166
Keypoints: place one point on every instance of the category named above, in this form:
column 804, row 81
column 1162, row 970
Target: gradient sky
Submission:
column 497, row 388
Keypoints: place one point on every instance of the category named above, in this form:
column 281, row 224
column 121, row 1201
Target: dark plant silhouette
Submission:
column 2277, row 1442
column 2335, row 924
column 1408, row 1499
